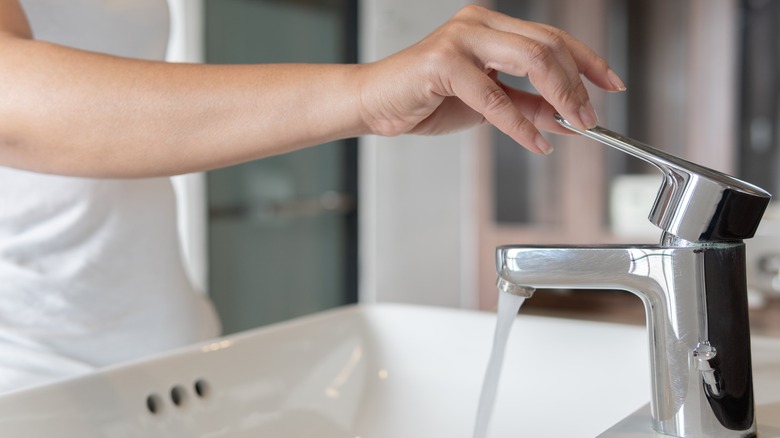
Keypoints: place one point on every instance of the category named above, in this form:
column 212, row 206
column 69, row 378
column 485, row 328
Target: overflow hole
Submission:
column 178, row 395
column 202, row 388
column 154, row 404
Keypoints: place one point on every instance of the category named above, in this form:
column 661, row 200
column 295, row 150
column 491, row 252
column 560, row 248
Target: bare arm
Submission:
column 72, row 112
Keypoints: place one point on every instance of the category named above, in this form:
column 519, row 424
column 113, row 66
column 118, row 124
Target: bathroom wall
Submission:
column 417, row 199
column 186, row 45
column 427, row 203
column 282, row 229
column 417, row 226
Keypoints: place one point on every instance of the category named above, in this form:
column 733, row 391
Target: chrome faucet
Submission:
column 692, row 285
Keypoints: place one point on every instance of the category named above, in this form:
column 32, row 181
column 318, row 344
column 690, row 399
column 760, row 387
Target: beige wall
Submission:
column 417, row 214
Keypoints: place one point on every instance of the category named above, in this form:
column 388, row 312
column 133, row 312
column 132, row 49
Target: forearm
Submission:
column 78, row 113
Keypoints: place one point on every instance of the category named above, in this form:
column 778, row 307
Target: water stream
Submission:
column 508, row 306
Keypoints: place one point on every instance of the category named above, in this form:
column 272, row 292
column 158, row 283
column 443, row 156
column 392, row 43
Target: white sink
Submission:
column 383, row 371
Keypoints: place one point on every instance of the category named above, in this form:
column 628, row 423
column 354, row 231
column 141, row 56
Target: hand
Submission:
column 448, row 81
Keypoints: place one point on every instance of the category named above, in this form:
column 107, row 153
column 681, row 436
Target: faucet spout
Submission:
column 695, row 303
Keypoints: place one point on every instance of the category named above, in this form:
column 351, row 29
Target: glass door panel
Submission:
column 282, row 230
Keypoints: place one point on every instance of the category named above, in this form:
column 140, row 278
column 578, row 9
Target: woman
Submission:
column 92, row 123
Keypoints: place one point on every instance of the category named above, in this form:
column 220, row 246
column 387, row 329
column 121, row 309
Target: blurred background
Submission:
column 416, row 219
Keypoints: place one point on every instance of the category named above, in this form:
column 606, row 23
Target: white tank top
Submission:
column 90, row 269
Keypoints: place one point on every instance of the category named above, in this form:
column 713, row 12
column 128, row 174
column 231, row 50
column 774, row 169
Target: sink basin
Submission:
column 371, row 371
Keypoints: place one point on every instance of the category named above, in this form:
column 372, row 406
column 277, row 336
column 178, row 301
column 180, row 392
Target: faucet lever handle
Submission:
column 694, row 203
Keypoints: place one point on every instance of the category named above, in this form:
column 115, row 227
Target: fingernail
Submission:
column 542, row 144
column 614, row 79
column 588, row 116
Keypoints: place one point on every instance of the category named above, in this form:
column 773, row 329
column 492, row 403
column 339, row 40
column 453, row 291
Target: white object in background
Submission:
column 186, row 45
column 763, row 258
column 418, row 228
column 631, row 197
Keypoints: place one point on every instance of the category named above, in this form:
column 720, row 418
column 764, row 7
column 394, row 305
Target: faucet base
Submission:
column 695, row 299
column 638, row 425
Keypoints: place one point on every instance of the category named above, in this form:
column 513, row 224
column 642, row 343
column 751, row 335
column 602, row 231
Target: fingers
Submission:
column 537, row 110
column 568, row 49
column 552, row 60
column 448, row 81
column 552, row 38
column 556, row 81
column 487, row 97
column 594, row 67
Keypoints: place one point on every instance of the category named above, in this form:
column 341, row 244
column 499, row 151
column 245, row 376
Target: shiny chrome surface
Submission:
column 693, row 286
column 694, row 202
column 696, row 310
column 511, row 288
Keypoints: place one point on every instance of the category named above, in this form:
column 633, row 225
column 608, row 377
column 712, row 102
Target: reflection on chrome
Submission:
column 693, row 286
column 686, row 291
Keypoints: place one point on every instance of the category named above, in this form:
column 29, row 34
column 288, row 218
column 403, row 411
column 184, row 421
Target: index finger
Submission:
column 487, row 97
column 518, row 55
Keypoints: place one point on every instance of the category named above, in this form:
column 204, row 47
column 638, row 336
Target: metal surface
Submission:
column 694, row 202
column 693, row 286
column 634, row 426
column 696, row 308
column 511, row 288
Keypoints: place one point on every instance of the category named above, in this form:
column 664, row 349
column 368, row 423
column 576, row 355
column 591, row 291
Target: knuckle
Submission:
column 581, row 92
column 539, row 55
column 557, row 42
column 555, row 33
column 568, row 96
column 537, row 112
column 450, row 36
column 470, row 11
column 562, row 34
column 440, row 57
column 573, row 93
column 523, row 129
column 524, row 126
column 455, row 29
column 597, row 64
column 495, row 99
column 560, row 94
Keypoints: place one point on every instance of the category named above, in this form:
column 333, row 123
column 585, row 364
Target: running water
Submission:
column 508, row 306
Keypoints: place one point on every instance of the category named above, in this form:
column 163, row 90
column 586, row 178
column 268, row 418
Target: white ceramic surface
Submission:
column 382, row 371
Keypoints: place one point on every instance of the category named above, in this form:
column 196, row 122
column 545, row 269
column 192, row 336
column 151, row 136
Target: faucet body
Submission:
column 695, row 303
column 692, row 284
